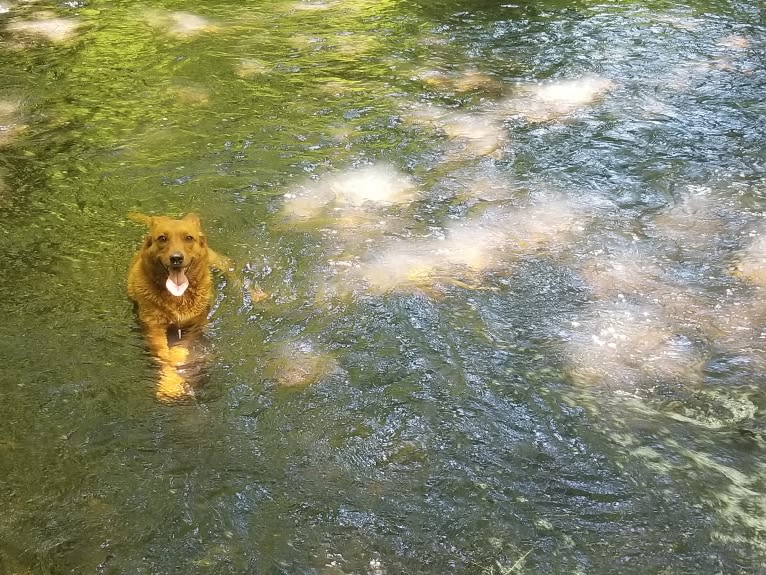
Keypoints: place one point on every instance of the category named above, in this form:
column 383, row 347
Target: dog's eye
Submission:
column 189, row 238
column 162, row 238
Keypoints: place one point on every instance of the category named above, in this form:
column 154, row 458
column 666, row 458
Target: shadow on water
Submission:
column 514, row 258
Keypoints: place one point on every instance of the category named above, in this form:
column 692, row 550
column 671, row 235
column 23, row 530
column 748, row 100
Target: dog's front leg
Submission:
column 171, row 383
column 157, row 340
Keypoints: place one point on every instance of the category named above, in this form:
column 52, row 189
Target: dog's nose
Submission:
column 176, row 259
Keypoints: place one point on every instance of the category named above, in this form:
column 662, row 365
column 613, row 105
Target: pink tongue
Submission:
column 177, row 282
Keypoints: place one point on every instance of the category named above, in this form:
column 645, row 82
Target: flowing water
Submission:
column 515, row 258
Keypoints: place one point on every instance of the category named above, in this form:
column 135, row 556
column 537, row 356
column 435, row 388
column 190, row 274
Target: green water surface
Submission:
column 547, row 357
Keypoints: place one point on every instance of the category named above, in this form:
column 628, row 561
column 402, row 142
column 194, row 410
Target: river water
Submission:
column 515, row 258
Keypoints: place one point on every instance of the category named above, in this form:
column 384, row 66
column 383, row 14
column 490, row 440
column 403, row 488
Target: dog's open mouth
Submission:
column 177, row 281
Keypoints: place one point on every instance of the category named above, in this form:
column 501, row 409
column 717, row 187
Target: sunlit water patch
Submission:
column 464, row 249
column 11, row 120
column 337, row 195
column 483, row 181
column 251, row 68
column 46, row 26
column 555, row 100
column 629, row 346
column 469, row 134
column 179, row 24
column 462, row 81
column 751, row 261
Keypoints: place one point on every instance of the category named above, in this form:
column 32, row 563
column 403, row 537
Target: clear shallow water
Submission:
column 515, row 258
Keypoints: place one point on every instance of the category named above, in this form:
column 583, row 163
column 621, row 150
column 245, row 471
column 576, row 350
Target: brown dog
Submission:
column 170, row 282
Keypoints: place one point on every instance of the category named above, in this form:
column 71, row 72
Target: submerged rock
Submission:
column 299, row 365
column 751, row 262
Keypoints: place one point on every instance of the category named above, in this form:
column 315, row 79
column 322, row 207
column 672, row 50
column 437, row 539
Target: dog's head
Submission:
column 175, row 246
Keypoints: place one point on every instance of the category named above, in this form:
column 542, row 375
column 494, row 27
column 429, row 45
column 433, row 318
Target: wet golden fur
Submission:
column 160, row 312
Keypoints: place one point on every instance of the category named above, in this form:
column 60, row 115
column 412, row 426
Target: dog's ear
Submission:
column 143, row 219
column 149, row 239
column 140, row 218
column 193, row 218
